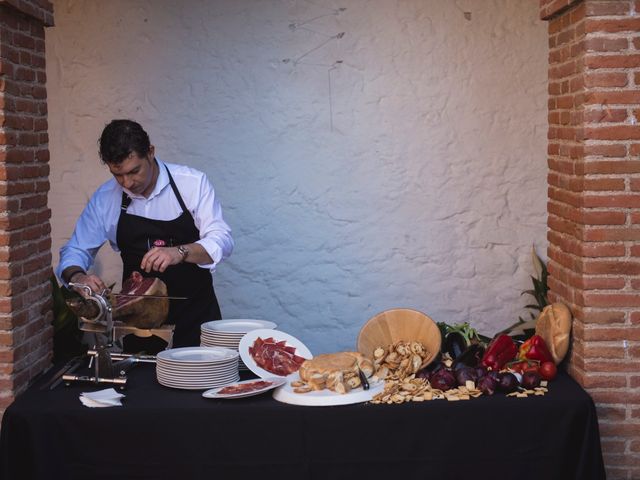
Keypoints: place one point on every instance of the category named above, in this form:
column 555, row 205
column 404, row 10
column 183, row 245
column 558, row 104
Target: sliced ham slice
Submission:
column 245, row 387
column 275, row 357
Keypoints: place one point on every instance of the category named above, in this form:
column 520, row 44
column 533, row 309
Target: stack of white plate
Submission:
column 228, row 333
column 197, row 368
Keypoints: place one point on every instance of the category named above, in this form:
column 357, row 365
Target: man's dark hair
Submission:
column 121, row 138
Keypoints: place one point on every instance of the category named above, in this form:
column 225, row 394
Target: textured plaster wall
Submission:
column 400, row 164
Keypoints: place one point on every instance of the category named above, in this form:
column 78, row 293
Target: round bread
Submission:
column 329, row 365
column 554, row 326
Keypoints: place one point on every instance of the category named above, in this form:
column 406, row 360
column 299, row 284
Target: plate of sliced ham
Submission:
column 247, row 388
column 269, row 353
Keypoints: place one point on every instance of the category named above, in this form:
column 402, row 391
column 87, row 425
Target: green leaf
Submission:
column 67, row 337
column 535, row 307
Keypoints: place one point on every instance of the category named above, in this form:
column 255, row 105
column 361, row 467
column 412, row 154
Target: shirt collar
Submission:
column 161, row 183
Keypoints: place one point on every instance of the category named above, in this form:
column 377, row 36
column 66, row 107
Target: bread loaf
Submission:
column 336, row 371
column 554, row 326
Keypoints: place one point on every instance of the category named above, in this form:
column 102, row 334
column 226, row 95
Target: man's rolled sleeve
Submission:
column 215, row 234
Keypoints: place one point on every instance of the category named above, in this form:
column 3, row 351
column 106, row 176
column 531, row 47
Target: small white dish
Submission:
column 272, row 382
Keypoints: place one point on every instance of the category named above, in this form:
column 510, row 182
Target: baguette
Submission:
column 554, row 326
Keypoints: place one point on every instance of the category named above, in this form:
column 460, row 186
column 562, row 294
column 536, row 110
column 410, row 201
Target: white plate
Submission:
column 275, row 382
column 228, row 336
column 226, row 371
column 197, row 355
column 198, row 386
column 186, row 378
column 203, row 367
column 248, row 340
column 219, row 338
column 204, row 383
column 212, row 333
column 325, row 398
column 204, row 342
column 233, row 326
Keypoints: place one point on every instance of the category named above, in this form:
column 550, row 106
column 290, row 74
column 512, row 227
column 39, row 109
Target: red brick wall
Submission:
column 594, row 207
column 25, row 242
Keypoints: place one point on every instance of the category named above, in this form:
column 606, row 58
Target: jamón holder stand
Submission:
column 109, row 367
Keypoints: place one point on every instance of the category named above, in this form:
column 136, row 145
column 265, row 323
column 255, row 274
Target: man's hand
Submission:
column 159, row 258
column 92, row 281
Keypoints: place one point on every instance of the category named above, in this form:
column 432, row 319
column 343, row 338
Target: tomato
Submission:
column 524, row 366
column 548, row 370
column 517, row 366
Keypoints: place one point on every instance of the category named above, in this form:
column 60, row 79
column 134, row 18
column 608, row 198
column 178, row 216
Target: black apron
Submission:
column 135, row 235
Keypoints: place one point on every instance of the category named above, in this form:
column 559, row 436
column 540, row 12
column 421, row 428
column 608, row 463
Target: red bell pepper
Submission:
column 501, row 350
column 535, row 349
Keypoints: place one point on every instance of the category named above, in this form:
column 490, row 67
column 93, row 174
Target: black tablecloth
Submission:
column 163, row 433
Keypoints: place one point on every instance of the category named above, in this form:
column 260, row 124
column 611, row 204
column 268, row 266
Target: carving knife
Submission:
column 147, row 296
column 71, row 284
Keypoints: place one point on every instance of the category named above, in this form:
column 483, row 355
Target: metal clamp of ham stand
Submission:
column 101, row 323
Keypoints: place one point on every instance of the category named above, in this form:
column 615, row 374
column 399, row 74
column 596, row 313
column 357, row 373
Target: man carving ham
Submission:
column 163, row 218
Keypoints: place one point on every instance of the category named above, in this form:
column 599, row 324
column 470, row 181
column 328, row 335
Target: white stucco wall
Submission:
column 411, row 174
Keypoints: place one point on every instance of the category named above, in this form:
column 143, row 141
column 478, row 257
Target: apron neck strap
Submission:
column 176, row 192
column 126, row 199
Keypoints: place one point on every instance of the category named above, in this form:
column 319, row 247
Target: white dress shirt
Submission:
column 99, row 220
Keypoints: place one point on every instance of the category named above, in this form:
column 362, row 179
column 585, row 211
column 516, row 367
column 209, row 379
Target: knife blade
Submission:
column 120, row 381
column 148, row 296
column 104, row 365
column 363, row 379
column 71, row 366
column 123, row 356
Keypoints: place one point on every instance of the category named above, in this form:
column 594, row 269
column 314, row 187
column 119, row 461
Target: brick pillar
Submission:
column 594, row 207
column 25, row 241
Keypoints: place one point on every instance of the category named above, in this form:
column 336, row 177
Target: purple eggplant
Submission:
column 454, row 344
column 471, row 356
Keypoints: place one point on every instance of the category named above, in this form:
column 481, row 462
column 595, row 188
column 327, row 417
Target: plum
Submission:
column 494, row 374
column 442, row 380
column 430, row 369
column 507, row 382
column 481, row 371
column 465, row 374
column 531, row 379
column 487, row 385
